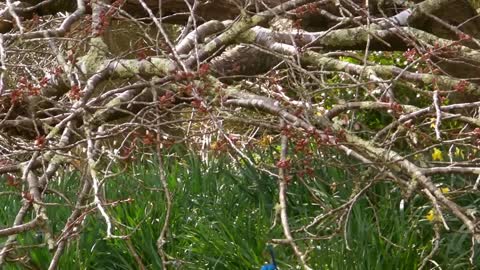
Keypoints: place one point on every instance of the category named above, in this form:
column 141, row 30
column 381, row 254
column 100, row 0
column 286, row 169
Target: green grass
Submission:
column 221, row 218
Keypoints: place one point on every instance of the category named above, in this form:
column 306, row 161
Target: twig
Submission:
column 70, row 225
column 11, row 239
column 13, row 13
column 435, row 244
column 438, row 112
column 168, row 197
column 282, row 197
column 92, row 164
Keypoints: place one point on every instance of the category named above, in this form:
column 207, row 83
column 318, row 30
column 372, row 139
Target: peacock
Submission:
column 273, row 264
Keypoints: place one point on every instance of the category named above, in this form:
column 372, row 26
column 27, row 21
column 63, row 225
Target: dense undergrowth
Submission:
column 223, row 213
